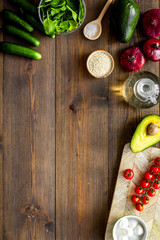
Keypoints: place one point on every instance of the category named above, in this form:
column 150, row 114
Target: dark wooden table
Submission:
column 62, row 133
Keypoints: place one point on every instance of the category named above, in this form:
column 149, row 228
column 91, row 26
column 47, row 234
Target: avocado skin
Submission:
column 145, row 122
column 125, row 15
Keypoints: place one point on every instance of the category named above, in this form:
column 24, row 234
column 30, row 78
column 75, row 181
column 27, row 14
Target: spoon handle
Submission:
column 108, row 3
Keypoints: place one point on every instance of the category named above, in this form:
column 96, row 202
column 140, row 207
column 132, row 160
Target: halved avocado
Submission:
column 146, row 134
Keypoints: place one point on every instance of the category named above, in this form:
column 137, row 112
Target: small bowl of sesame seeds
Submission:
column 100, row 64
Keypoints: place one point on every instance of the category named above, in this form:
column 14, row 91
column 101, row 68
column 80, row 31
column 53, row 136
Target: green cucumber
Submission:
column 37, row 24
column 26, row 6
column 15, row 49
column 9, row 16
column 125, row 15
column 22, row 34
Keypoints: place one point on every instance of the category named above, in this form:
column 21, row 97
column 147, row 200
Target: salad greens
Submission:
column 61, row 15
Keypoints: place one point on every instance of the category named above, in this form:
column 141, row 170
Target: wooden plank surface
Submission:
column 29, row 144
column 1, row 135
column 124, row 189
column 62, row 133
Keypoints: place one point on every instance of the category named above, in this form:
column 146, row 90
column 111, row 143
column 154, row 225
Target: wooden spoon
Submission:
column 97, row 22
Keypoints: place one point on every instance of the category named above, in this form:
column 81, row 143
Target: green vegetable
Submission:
column 125, row 16
column 35, row 23
column 22, row 34
column 61, row 15
column 146, row 134
column 26, row 6
column 16, row 49
column 14, row 19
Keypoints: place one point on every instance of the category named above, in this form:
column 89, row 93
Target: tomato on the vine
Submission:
column 128, row 174
column 156, row 184
column 135, row 198
column 157, row 161
column 151, row 192
column 148, row 176
column 145, row 183
column 154, row 169
column 145, row 200
column 139, row 206
column 139, row 190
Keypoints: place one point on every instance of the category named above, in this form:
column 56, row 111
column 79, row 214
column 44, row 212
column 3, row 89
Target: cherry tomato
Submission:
column 157, row 161
column 145, row 200
column 159, row 177
column 148, row 176
column 139, row 206
column 145, row 183
column 151, row 192
column 139, row 190
column 128, row 174
column 135, row 198
column 156, row 184
column 154, row 169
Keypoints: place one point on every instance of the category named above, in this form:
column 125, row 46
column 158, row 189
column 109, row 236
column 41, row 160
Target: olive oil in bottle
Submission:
column 142, row 90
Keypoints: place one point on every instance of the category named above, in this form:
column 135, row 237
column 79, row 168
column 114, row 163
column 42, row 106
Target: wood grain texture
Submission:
column 1, row 135
column 122, row 205
column 81, row 139
column 62, row 134
column 29, row 144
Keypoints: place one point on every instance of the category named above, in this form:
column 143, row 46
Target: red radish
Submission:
column 151, row 23
column 151, row 49
column 132, row 59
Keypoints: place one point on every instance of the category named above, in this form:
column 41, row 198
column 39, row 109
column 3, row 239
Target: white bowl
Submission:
column 140, row 221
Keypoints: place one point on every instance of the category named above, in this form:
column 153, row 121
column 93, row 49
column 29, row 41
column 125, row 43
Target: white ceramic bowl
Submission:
column 140, row 221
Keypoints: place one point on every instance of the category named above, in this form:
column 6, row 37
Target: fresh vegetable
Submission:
column 37, row 24
column 15, row 49
column 151, row 49
column 61, row 15
column 148, row 186
column 154, row 169
column 11, row 17
column 145, row 200
column 151, row 192
column 26, row 6
column 139, row 206
column 135, row 198
column 21, row 34
column 148, row 176
column 157, row 161
column 139, row 190
column 128, row 174
column 145, row 183
column 141, row 138
column 132, row 59
column 125, row 16
column 156, row 184
column 151, row 23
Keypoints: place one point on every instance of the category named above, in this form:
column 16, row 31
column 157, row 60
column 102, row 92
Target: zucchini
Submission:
column 22, row 34
column 37, row 24
column 26, row 7
column 9, row 16
column 15, row 49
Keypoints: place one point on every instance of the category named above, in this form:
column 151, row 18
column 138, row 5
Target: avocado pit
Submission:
column 152, row 129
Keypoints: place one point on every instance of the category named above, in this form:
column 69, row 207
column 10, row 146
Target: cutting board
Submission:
column 124, row 189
